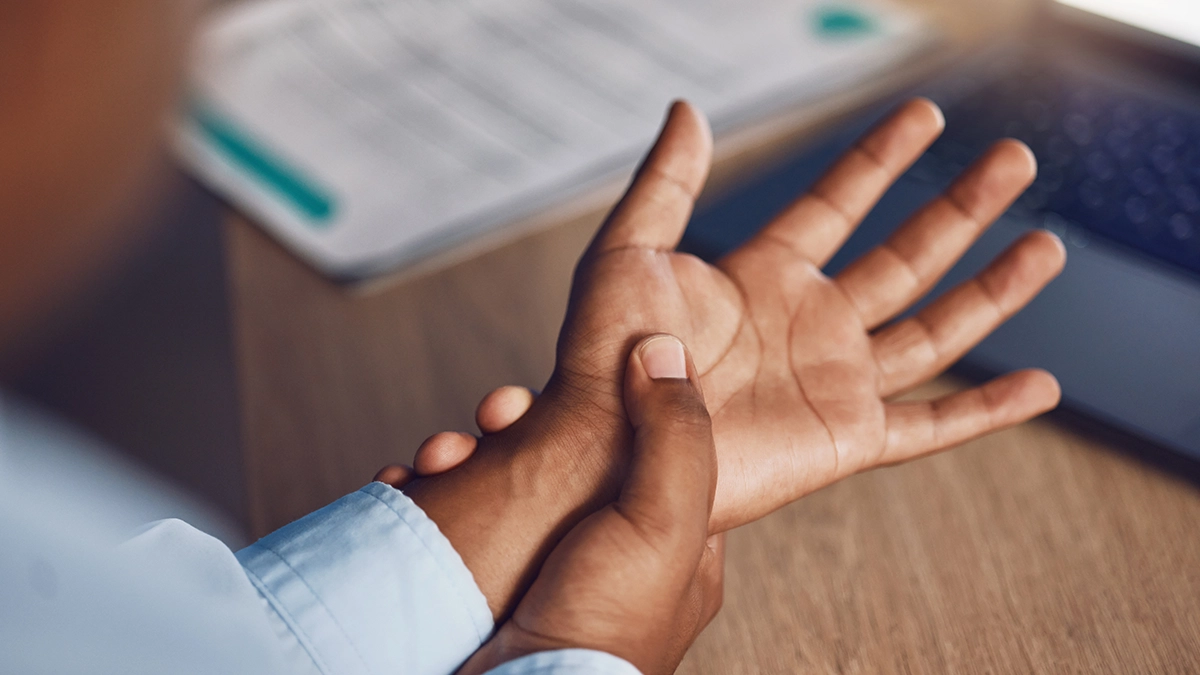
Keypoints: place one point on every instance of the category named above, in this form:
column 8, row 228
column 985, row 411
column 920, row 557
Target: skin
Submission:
column 798, row 369
column 497, row 411
column 603, row 580
column 624, row 581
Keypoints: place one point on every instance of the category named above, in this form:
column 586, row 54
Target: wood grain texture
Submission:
column 336, row 383
column 1035, row 550
column 1031, row 551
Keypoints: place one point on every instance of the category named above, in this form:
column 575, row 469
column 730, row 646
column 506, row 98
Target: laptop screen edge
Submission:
column 1082, row 13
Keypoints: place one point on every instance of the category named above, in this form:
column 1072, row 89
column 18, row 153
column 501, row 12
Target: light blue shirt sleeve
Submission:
column 567, row 662
column 367, row 584
column 370, row 585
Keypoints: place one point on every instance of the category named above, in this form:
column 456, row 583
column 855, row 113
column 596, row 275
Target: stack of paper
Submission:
column 367, row 134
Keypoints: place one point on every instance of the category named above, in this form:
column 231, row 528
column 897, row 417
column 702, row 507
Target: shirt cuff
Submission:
column 369, row 584
column 567, row 662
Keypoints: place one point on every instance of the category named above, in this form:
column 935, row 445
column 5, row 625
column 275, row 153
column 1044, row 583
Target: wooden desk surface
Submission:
column 1035, row 550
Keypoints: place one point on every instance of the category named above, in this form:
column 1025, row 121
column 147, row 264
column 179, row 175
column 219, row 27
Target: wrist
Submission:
column 567, row 444
column 506, row 508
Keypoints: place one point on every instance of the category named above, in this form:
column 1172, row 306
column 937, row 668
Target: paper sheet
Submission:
column 367, row 134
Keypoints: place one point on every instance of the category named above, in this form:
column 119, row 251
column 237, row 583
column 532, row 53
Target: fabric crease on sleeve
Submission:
column 369, row 584
column 567, row 662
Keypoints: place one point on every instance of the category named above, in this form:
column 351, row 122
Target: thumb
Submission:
column 655, row 210
column 668, row 495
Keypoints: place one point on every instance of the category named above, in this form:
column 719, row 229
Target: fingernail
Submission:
column 663, row 358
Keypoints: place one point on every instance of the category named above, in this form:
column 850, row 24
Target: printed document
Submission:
column 369, row 134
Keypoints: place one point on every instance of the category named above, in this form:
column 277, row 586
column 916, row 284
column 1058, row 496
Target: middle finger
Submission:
column 920, row 347
column 895, row 274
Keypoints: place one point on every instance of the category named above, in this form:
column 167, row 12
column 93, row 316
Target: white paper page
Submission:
column 367, row 134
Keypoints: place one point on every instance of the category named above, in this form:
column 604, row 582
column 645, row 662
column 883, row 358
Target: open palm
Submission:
column 798, row 368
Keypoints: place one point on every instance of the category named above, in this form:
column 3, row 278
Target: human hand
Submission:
column 497, row 411
column 641, row 577
column 799, row 369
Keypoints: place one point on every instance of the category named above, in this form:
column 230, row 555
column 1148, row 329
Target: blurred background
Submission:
column 145, row 360
column 455, row 133
column 261, row 248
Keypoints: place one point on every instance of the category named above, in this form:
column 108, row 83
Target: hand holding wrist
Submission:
column 634, row 579
column 507, row 506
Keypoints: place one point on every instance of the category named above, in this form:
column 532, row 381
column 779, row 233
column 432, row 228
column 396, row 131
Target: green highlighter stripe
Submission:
column 841, row 22
column 286, row 182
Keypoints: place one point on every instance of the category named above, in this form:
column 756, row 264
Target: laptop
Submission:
column 1107, row 94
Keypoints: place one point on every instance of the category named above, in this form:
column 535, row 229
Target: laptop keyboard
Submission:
column 1110, row 160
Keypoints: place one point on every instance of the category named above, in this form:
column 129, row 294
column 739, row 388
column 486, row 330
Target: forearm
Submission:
column 506, row 507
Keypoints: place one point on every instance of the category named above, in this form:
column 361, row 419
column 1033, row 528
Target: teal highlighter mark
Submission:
column 842, row 22
column 314, row 203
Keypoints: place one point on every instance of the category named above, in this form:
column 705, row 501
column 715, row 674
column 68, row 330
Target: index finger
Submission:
column 816, row 225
